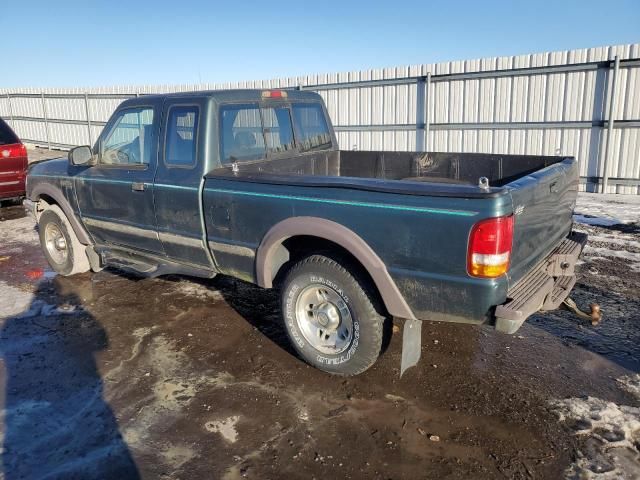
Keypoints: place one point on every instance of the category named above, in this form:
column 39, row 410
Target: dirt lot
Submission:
column 110, row 376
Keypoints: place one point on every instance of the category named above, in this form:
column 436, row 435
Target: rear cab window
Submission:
column 278, row 131
column 241, row 137
column 311, row 126
column 254, row 131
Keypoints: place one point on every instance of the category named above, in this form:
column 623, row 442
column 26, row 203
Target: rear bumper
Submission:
column 544, row 288
column 12, row 187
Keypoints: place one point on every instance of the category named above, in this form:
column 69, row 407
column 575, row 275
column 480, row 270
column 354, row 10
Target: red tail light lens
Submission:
column 15, row 150
column 490, row 247
column 274, row 94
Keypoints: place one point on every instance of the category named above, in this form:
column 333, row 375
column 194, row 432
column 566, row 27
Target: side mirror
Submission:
column 81, row 156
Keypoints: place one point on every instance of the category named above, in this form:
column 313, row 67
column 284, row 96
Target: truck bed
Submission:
column 416, row 173
column 427, row 202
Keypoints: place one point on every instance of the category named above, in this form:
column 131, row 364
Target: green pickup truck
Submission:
column 252, row 184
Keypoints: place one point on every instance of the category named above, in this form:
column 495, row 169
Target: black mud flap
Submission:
column 411, row 344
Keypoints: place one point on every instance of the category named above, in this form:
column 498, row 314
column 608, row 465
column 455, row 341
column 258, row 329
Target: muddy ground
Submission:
column 111, row 376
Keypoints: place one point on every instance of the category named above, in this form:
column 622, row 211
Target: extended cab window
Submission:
column 241, row 133
column 129, row 140
column 182, row 132
column 311, row 126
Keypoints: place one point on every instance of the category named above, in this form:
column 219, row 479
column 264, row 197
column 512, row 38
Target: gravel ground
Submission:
column 110, row 376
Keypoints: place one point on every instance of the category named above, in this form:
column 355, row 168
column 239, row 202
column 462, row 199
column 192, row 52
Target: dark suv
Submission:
column 13, row 163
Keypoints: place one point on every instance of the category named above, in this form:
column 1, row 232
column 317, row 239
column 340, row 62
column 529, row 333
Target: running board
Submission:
column 148, row 266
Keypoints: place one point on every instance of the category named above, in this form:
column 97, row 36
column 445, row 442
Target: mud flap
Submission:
column 411, row 344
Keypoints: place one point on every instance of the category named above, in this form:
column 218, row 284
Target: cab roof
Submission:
column 236, row 95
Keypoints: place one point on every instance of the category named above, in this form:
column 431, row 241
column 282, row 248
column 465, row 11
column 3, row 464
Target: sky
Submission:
column 137, row 42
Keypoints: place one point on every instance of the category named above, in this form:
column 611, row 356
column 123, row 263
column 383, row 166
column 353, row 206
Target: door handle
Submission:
column 554, row 187
column 137, row 186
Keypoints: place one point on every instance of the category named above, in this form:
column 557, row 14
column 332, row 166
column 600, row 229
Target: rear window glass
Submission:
column 7, row 136
column 277, row 129
column 311, row 126
column 182, row 128
column 241, row 133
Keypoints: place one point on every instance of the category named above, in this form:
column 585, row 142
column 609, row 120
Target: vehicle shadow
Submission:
column 56, row 421
column 261, row 308
column 258, row 306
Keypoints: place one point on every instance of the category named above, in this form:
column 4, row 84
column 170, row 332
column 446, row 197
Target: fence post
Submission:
column 427, row 122
column 610, row 122
column 10, row 109
column 420, row 113
column 88, row 113
column 46, row 119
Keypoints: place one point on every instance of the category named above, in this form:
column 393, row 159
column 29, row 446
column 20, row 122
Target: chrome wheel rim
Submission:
column 56, row 243
column 324, row 319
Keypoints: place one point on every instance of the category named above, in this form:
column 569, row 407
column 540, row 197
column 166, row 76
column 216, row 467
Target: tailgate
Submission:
column 543, row 204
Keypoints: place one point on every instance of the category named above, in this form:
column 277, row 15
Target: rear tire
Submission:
column 62, row 249
column 330, row 317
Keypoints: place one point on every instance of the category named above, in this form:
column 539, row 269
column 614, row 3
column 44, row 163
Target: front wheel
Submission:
column 330, row 317
column 62, row 249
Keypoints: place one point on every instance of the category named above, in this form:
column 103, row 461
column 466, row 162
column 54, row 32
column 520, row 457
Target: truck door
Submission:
column 115, row 196
column 183, row 150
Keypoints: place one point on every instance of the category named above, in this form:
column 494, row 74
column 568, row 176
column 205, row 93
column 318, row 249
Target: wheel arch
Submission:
column 52, row 195
column 270, row 256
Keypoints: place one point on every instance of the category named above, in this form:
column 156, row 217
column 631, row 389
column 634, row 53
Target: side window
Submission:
column 241, row 133
column 182, row 133
column 311, row 126
column 129, row 140
column 277, row 129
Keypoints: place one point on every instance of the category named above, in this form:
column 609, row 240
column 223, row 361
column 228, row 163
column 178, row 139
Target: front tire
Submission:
column 330, row 317
column 62, row 249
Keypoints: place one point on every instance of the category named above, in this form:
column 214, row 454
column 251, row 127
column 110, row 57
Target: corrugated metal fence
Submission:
column 557, row 103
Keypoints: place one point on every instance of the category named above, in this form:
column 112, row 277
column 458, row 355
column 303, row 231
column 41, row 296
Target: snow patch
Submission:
column 631, row 383
column 22, row 231
column 198, row 290
column 596, row 221
column 612, row 434
column 599, row 252
column 607, row 210
column 13, row 301
column 226, row 428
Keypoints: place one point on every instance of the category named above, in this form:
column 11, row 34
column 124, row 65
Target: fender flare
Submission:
column 326, row 229
column 63, row 203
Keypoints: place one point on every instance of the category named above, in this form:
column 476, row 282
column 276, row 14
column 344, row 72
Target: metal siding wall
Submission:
column 575, row 96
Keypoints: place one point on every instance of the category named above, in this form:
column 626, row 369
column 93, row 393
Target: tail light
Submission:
column 15, row 150
column 490, row 247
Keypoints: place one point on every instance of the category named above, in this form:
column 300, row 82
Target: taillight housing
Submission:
column 14, row 150
column 274, row 94
column 490, row 245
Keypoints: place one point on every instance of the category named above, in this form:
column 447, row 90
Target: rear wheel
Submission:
column 330, row 316
column 62, row 249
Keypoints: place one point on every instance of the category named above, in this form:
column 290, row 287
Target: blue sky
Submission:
column 90, row 43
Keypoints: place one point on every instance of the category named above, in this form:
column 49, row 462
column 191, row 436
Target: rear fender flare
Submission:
column 59, row 198
column 267, row 254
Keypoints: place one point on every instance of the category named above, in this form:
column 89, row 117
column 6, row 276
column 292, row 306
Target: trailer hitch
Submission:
column 594, row 316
